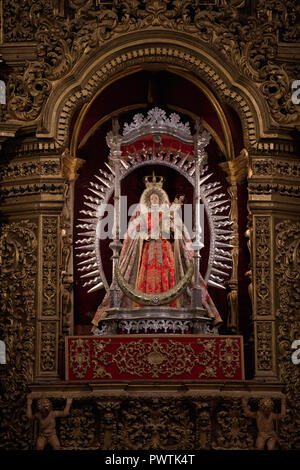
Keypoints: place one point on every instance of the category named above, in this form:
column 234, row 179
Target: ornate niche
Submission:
column 153, row 142
column 88, row 151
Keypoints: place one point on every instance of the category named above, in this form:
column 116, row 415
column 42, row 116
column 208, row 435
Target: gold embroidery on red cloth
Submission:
column 209, row 372
column 155, row 358
column 208, row 358
column 229, row 356
column 99, row 371
column 79, row 357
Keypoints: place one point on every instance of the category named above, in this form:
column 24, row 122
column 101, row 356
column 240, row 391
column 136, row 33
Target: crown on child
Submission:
column 154, row 181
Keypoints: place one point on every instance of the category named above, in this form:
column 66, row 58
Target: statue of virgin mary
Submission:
column 157, row 252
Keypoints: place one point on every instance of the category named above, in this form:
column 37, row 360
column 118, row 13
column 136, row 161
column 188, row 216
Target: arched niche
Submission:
column 163, row 50
column 139, row 91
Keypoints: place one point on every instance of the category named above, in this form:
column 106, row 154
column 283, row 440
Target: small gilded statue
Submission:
column 47, row 421
column 265, row 418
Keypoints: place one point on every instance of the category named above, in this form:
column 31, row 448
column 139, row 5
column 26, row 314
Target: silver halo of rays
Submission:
column 216, row 204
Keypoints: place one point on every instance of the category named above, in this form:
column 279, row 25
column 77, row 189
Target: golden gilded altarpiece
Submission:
column 56, row 57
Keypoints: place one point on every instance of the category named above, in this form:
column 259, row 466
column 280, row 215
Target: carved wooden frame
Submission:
column 37, row 178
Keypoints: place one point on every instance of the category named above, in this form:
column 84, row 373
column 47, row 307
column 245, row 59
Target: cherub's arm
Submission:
column 246, row 409
column 282, row 411
column 66, row 411
column 29, row 408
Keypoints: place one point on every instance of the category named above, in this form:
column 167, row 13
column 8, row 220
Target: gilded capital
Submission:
column 70, row 165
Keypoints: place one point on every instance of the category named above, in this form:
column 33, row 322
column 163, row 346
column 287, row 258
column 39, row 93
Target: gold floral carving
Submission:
column 50, row 269
column 275, row 176
column 249, row 43
column 31, row 189
column 287, row 264
column 78, row 430
column 48, row 353
column 262, row 266
column 18, row 282
column 170, row 55
column 49, row 297
column 29, row 168
column 232, row 429
column 275, row 167
column 264, row 335
column 288, row 190
column 155, row 424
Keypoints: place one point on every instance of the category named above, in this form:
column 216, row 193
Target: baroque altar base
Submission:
column 154, row 357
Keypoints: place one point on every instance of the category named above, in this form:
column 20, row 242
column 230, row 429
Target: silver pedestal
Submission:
column 162, row 320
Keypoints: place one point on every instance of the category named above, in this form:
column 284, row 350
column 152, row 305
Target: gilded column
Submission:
column 70, row 167
column 274, row 204
column 236, row 170
column 32, row 189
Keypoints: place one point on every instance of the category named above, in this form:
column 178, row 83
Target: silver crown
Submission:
column 157, row 123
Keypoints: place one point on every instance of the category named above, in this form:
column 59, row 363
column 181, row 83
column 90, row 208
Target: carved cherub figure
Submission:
column 265, row 418
column 47, row 421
